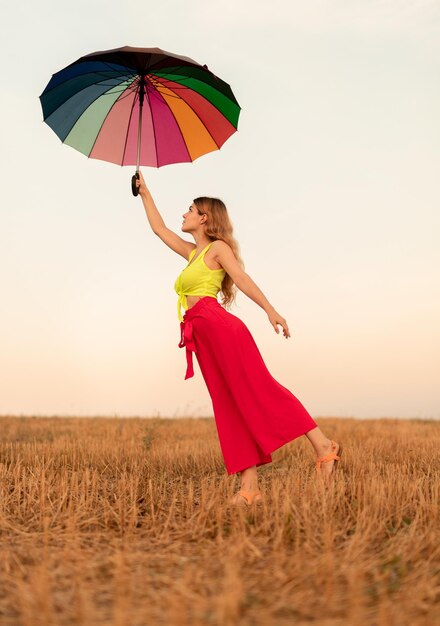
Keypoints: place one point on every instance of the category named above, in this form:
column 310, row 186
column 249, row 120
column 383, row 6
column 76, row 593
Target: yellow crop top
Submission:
column 197, row 279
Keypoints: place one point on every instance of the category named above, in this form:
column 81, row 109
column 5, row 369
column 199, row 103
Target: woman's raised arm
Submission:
column 153, row 215
column 170, row 238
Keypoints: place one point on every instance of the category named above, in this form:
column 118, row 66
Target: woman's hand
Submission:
column 275, row 319
column 140, row 184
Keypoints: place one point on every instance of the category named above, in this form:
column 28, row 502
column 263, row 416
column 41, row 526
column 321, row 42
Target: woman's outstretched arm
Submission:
column 247, row 286
column 244, row 282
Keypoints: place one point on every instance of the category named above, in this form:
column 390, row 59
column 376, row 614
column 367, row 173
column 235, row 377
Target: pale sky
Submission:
column 331, row 183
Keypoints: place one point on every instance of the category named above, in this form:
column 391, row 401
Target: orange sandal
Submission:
column 331, row 456
column 250, row 497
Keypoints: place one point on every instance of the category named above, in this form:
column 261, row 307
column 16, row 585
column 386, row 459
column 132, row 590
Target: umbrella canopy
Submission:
column 140, row 106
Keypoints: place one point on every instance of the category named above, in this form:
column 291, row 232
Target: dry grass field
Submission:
column 126, row 522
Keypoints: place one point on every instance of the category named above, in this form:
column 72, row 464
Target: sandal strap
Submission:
column 331, row 456
column 328, row 457
column 249, row 495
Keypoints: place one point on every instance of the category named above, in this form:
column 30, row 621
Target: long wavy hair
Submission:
column 219, row 226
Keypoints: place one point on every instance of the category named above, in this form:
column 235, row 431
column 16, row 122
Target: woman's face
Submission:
column 191, row 219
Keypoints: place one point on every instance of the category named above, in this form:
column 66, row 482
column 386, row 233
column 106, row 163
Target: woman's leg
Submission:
column 249, row 479
column 248, row 482
column 322, row 446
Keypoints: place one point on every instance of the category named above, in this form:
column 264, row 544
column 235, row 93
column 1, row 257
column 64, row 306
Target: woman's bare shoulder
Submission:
column 220, row 245
column 224, row 255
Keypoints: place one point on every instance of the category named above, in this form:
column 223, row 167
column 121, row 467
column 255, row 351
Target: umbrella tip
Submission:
column 207, row 68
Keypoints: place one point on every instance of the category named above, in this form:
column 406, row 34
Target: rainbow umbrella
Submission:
column 140, row 106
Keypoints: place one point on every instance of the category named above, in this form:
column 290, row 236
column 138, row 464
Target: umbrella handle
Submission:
column 135, row 189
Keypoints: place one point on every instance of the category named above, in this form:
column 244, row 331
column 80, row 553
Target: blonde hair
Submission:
column 219, row 226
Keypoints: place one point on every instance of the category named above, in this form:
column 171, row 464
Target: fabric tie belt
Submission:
column 186, row 339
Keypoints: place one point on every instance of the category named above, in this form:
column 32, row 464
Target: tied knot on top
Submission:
column 186, row 340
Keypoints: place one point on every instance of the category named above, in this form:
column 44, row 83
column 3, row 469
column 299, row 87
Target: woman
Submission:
column 254, row 414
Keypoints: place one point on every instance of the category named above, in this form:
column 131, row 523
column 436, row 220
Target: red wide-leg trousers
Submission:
column 254, row 413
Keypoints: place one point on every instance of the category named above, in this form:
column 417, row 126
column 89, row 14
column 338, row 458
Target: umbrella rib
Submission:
column 103, row 122
column 197, row 115
column 105, row 93
column 129, row 91
column 154, row 128
column 107, row 64
column 216, row 90
column 178, row 126
column 183, row 78
column 158, row 79
column 120, row 75
column 90, row 104
column 128, row 128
